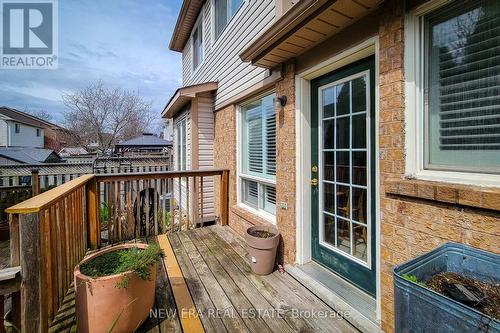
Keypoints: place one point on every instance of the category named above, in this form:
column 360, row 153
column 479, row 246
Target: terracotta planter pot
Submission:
column 262, row 251
column 99, row 302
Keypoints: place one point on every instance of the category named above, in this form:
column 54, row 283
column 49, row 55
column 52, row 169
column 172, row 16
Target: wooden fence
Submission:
column 51, row 232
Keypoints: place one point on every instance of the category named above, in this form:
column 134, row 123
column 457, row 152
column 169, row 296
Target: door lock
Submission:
column 314, row 182
column 314, row 168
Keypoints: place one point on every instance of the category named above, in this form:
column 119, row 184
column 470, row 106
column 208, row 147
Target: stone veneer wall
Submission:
column 225, row 157
column 418, row 216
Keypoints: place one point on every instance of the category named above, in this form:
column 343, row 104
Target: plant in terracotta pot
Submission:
column 262, row 242
column 115, row 288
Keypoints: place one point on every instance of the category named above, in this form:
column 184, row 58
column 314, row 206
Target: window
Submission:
column 17, row 128
column 224, row 12
column 258, row 155
column 181, row 145
column 461, row 85
column 38, row 132
column 198, row 44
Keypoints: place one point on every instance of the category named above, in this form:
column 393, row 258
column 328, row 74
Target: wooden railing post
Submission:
column 32, row 319
column 224, row 197
column 93, row 223
column 35, row 182
column 15, row 261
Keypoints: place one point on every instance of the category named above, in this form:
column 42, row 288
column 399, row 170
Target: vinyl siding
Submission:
column 222, row 62
column 206, row 149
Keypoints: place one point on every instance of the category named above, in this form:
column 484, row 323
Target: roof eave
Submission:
column 184, row 24
column 184, row 95
column 285, row 25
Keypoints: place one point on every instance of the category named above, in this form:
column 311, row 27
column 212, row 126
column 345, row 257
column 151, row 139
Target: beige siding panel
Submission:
column 222, row 62
column 206, row 149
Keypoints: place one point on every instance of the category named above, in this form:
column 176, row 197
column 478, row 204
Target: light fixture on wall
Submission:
column 279, row 102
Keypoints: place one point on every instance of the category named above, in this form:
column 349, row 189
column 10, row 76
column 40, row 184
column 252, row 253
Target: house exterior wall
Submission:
column 221, row 57
column 225, row 156
column 418, row 216
column 206, row 149
column 25, row 138
column 3, row 133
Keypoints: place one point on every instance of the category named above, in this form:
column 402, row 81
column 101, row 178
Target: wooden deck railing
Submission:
column 51, row 232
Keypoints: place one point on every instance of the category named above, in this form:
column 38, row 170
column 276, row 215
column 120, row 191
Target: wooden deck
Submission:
column 228, row 297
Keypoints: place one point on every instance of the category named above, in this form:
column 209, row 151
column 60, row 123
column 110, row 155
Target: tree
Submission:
column 103, row 116
column 41, row 114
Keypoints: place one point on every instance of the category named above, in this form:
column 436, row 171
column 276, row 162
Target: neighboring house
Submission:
column 147, row 143
column 367, row 131
column 20, row 129
column 27, row 155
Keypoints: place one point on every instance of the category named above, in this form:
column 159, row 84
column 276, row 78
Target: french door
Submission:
column 343, row 173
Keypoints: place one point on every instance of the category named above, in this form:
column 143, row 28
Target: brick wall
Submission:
column 419, row 216
column 225, row 157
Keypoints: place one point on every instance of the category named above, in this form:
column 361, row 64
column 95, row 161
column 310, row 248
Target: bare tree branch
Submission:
column 97, row 114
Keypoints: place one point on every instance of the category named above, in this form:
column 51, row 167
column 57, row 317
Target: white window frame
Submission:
column 230, row 19
column 198, row 25
column 415, row 103
column 239, row 165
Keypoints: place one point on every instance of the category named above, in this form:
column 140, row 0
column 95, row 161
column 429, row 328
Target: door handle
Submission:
column 314, row 182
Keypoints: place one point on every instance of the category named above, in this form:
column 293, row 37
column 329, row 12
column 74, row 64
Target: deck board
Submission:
column 227, row 295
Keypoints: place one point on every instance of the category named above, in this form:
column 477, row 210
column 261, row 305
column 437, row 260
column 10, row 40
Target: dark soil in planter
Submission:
column 261, row 233
column 488, row 294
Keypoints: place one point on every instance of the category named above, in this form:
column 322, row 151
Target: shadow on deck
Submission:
column 227, row 295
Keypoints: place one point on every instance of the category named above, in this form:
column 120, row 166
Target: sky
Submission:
column 124, row 43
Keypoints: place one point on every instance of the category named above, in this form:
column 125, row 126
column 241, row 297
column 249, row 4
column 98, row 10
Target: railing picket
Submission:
column 164, row 183
column 118, row 209
column 147, row 217
column 138, row 210
column 129, row 208
column 202, row 211
column 172, row 210
column 155, row 206
column 188, row 199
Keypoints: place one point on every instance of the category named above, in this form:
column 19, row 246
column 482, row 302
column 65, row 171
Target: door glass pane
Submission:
column 359, row 168
column 342, row 200
column 329, row 197
column 328, row 134
column 328, row 102
column 359, row 204
column 359, row 131
column 329, row 229
column 359, row 94
column 329, row 166
column 360, row 238
column 343, row 133
column 344, row 235
column 343, row 101
column 343, row 174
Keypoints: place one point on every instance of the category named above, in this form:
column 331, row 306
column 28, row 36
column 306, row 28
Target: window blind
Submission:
column 464, row 85
column 260, row 138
